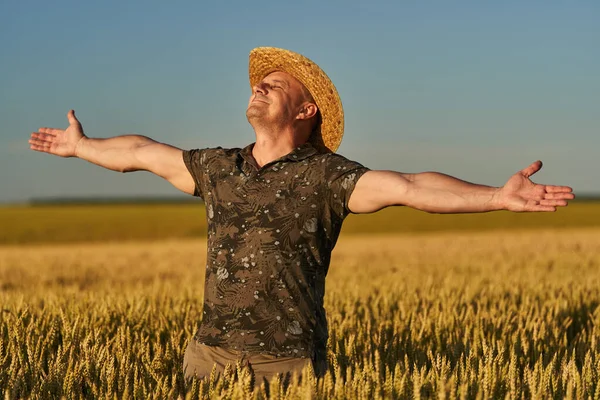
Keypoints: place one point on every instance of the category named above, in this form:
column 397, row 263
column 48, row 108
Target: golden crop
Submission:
column 498, row 314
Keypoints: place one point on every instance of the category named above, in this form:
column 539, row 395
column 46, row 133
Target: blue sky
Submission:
column 477, row 90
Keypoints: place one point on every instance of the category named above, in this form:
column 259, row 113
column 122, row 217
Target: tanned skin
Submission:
column 283, row 117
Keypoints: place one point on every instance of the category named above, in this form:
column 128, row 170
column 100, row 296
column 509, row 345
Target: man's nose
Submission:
column 261, row 88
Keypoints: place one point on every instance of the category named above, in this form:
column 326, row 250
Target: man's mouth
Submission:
column 259, row 99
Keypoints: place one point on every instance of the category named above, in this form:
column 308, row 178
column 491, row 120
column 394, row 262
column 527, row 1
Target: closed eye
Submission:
column 278, row 84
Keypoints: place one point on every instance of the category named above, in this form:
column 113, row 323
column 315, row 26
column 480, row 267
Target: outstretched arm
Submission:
column 121, row 153
column 439, row 193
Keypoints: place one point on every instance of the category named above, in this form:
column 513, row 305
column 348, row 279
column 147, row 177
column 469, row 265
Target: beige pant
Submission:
column 199, row 360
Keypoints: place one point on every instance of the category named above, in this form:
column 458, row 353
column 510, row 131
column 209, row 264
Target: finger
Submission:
column 532, row 169
column 42, row 136
column 72, row 119
column 38, row 142
column 559, row 196
column 554, row 203
column 540, row 208
column 49, row 131
column 558, row 189
column 39, row 147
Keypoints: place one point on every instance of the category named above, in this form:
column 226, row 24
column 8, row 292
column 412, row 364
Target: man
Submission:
column 275, row 209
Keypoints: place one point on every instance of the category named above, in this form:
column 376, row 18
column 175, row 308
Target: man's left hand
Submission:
column 521, row 194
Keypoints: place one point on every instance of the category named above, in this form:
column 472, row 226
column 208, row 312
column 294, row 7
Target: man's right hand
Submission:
column 58, row 141
column 120, row 153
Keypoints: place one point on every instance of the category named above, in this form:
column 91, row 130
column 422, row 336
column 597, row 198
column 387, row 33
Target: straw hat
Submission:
column 264, row 60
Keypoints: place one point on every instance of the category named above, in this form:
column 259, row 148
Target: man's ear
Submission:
column 308, row 110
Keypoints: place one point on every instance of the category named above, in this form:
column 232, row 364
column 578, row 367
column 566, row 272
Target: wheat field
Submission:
column 472, row 315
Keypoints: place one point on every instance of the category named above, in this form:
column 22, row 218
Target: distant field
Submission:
column 117, row 222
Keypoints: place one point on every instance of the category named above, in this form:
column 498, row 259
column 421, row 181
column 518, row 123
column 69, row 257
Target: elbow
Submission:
column 403, row 194
column 134, row 161
column 127, row 167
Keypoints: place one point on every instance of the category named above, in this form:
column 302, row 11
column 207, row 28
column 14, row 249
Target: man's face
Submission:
column 275, row 100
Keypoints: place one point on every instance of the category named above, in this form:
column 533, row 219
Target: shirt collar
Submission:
column 298, row 154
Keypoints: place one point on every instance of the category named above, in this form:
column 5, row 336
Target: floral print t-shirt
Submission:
column 271, row 231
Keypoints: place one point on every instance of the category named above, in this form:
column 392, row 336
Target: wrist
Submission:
column 79, row 146
column 496, row 202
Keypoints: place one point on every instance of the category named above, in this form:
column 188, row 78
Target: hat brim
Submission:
column 265, row 60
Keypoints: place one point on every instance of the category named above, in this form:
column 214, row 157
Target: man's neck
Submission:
column 271, row 147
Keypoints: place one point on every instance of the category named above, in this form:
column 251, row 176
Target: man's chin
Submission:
column 254, row 113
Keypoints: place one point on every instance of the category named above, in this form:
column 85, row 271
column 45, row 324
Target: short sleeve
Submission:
column 196, row 161
column 341, row 176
